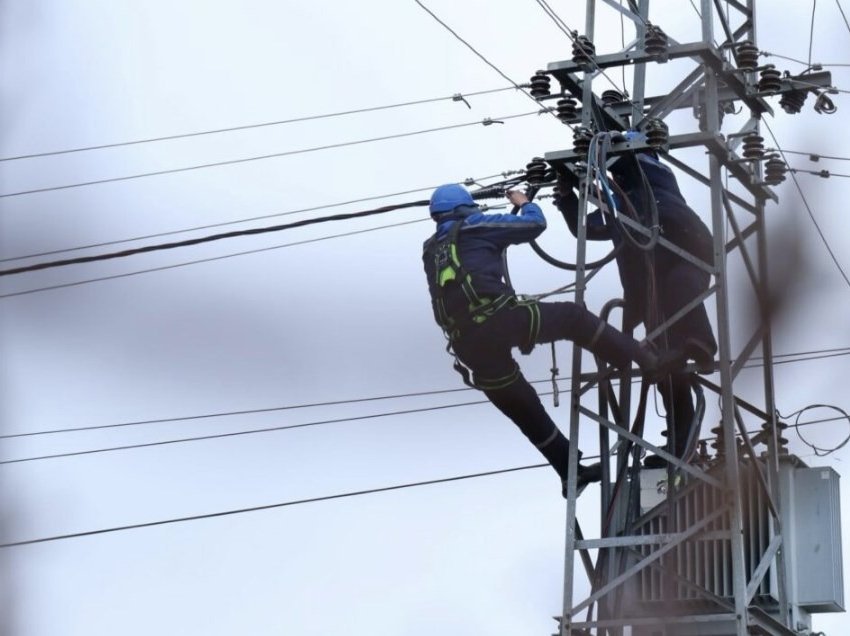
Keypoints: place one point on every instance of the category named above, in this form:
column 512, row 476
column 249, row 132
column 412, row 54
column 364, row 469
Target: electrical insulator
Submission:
column 747, row 55
column 657, row 133
column 581, row 140
column 774, row 170
column 566, row 109
column 583, row 50
column 717, row 444
column 753, row 146
column 535, row 171
column 655, row 42
column 612, row 97
column 540, row 84
column 769, row 80
column 792, row 101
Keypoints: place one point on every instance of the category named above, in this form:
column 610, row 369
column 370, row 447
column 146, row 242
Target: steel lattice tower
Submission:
column 709, row 520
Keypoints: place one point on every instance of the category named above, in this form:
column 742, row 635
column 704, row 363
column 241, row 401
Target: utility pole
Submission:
column 710, row 556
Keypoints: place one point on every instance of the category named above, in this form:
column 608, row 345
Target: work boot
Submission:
column 586, row 475
column 702, row 354
column 658, row 365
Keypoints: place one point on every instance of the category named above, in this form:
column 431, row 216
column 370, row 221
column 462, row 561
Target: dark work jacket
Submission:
column 679, row 224
column 481, row 241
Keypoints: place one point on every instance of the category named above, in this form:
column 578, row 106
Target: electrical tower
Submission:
column 721, row 548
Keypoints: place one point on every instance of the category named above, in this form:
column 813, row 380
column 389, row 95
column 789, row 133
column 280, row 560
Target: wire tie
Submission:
column 457, row 97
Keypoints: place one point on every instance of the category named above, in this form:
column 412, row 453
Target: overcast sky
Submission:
column 301, row 320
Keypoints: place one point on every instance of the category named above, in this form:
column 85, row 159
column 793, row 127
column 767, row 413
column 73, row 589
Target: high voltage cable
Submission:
column 225, row 513
column 798, row 356
column 549, row 11
column 213, row 237
column 284, row 504
column 818, row 173
column 484, row 59
column 230, row 162
column 792, row 59
column 332, row 421
column 846, row 23
column 225, row 223
column 456, row 97
column 813, row 156
column 809, row 210
column 270, row 429
column 812, row 30
column 207, row 260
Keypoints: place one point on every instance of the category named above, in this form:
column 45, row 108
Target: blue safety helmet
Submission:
column 447, row 197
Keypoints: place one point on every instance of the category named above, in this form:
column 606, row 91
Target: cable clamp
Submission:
column 458, row 97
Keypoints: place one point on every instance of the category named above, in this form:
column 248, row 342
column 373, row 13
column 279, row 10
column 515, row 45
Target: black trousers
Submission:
column 692, row 334
column 487, row 350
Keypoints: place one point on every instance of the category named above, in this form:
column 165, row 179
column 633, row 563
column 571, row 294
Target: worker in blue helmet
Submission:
column 656, row 281
column 484, row 320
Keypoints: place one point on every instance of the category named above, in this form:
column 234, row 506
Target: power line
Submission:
column 803, row 62
column 797, row 358
column 812, row 30
column 211, row 238
column 230, row 162
column 818, row 173
column 813, row 156
column 809, row 210
column 206, row 260
column 792, row 357
column 226, row 223
column 559, row 22
column 225, row 513
column 269, row 429
column 484, row 59
column 846, row 23
column 457, row 97
column 284, row 504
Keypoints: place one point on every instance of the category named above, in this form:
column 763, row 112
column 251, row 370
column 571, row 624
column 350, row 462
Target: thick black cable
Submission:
column 455, row 97
column 225, row 513
column 275, row 155
column 26, row 292
column 213, row 237
column 809, row 210
column 225, row 223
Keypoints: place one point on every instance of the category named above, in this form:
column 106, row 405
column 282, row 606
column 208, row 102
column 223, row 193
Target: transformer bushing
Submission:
column 581, row 140
column 792, row 101
column 770, row 80
column 774, row 170
column 535, row 171
column 753, row 147
column 566, row 109
column 540, row 85
column 657, row 133
column 583, row 50
column 656, row 42
column 747, row 55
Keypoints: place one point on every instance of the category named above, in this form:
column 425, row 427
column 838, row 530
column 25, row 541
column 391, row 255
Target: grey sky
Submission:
column 339, row 319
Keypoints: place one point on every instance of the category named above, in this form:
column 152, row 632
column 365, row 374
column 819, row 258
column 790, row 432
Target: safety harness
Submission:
column 456, row 315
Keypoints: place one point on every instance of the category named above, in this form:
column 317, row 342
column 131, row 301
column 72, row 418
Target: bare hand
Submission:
column 517, row 197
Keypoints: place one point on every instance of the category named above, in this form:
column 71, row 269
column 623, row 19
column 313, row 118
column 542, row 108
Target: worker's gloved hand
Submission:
column 517, row 196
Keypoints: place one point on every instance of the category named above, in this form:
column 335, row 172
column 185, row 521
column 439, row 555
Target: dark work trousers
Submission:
column 486, row 350
column 692, row 334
